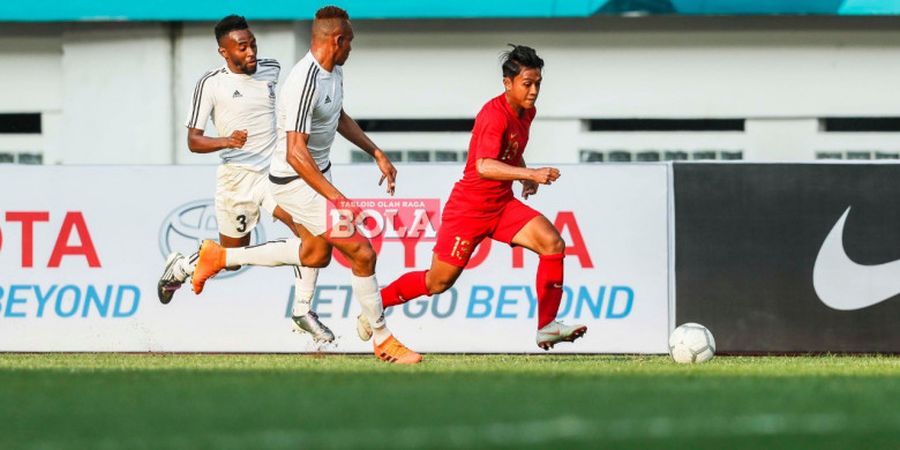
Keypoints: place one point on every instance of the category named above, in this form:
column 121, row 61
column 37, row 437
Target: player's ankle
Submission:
column 380, row 334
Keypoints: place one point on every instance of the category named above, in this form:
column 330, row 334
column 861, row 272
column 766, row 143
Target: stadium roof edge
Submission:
column 207, row 10
column 174, row 10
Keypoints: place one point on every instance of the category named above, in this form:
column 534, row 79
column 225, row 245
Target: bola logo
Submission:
column 190, row 224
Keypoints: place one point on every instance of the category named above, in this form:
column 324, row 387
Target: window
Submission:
column 647, row 156
column 590, row 156
column 413, row 156
column 359, row 156
column 31, row 158
column 861, row 124
column 829, row 155
column 418, row 156
column 23, row 123
column 619, row 156
column 446, row 156
column 675, row 155
column 665, row 125
column 658, row 155
column 21, row 133
column 859, row 155
column 416, row 125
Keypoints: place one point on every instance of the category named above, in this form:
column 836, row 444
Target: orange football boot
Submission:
column 392, row 351
column 209, row 262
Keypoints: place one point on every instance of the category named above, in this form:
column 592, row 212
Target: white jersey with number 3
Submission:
column 236, row 101
column 309, row 102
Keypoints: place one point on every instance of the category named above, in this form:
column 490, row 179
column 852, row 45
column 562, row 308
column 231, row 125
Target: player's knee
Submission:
column 234, row 242
column 318, row 261
column 316, row 256
column 364, row 257
column 557, row 245
column 439, row 286
column 553, row 245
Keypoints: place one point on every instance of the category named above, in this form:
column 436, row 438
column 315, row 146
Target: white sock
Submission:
column 271, row 254
column 380, row 334
column 365, row 289
column 304, row 289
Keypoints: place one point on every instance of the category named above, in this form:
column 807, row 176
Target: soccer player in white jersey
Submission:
column 240, row 99
column 310, row 111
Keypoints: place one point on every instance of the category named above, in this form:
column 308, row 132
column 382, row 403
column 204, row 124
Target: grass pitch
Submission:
column 113, row 401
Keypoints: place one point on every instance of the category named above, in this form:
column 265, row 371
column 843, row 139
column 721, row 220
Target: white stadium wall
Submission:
column 32, row 82
column 79, row 264
column 117, row 92
column 117, row 102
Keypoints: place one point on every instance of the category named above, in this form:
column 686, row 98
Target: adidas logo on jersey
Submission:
column 237, row 94
column 327, row 99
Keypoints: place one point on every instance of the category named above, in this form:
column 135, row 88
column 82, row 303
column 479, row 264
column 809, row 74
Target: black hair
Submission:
column 519, row 57
column 229, row 24
column 332, row 12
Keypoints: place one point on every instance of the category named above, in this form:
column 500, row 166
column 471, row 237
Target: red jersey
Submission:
column 498, row 134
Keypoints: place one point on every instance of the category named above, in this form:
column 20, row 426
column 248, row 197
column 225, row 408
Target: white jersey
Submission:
column 240, row 102
column 310, row 102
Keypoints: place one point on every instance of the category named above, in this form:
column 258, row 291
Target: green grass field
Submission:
column 112, row 401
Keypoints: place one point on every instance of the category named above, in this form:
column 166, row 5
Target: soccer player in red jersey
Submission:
column 482, row 204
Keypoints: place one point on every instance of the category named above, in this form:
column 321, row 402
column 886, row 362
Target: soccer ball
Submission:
column 691, row 343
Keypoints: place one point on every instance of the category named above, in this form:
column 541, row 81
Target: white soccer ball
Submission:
column 691, row 343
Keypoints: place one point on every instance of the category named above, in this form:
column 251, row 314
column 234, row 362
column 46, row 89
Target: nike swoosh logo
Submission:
column 844, row 285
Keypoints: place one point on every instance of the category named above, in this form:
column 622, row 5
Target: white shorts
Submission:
column 239, row 194
column 306, row 206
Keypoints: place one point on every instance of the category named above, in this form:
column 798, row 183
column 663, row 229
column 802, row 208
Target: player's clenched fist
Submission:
column 545, row 175
column 237, row 139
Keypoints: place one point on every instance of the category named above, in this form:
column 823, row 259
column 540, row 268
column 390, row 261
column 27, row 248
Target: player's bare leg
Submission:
column 315, row 251
column 213, row 258
column 179, row 268
column 441, row 276
column 412, row 285
column 541, row 237
column 358, row 250
column 304, row 319
column 233, row 242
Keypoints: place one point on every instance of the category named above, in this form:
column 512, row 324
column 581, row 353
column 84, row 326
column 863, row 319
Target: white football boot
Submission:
column 363, row 328
column 555, row 332
column 309, row 323
column 172, row 278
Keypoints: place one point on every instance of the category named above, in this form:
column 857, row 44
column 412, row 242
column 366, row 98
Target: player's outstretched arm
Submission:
column 492, row 169
column 303, row 163
column 351, row 130
column 198, row 143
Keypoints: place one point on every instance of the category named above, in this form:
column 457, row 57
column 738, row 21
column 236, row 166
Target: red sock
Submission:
column 549, row 287
column 403, row 289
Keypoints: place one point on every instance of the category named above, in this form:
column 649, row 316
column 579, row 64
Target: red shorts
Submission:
column 462, row 231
